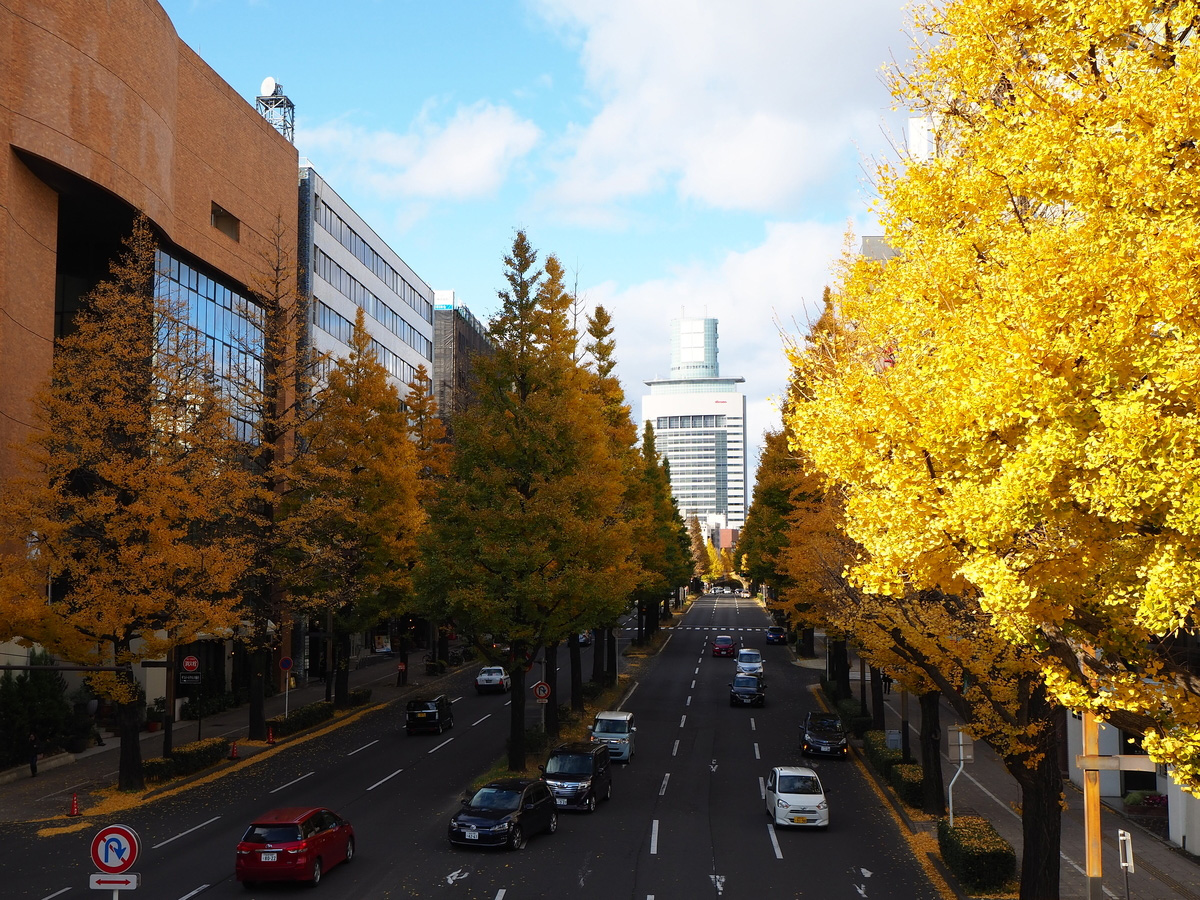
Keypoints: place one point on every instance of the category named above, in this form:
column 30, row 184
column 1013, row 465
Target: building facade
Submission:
column 699, row 422
column 107, row 113
column 458, row 337
column 345, row 266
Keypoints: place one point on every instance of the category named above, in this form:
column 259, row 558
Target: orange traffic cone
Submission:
column 270, row 736
column 74, row 813
column 233, row 750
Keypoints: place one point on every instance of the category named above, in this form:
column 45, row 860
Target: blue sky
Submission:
column 698, row 157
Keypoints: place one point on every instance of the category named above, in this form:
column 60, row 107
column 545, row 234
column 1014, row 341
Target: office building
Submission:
column 458, row 337
column 699, row 421
column 344, row 266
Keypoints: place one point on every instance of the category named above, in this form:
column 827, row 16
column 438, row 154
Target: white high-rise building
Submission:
column 699, row 422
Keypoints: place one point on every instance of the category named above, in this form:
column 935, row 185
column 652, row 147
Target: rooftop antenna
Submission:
column 274, row 106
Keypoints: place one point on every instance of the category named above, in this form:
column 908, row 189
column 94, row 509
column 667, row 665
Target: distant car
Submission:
column 585, row 639
column 724, row 645
column 794, row 797
column 618, row 730
column 293, row 843
column 823, row 732
column 776, row 634
column 749, row 662
column 504, row 813
column 747, row 690
column 578, row 774
column 428, row 714
column 493, row 678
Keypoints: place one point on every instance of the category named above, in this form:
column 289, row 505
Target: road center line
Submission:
column 55, row 894
column 500, row 894
column 756, row 756
column 693, row 684
column 774, row 841
column 293, row 781
column 753, row 727
column 675, row 749
column 382, row 780
column 182, row 833
column 663, row 789
column 477, row 721
column 682, row 719
column 654, row 838
column 697, row 671
column 363, row 747
column 762, row 788
column 441, row 745
column 199, row 890
column 689, row 701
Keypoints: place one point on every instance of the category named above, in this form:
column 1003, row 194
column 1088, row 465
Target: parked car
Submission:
column 504, row 813
column 749, row 661
column 794, row 797
column 617, row 729
column 747, row 690
column 824, row 732
column 428, row 714
column 293, row 843
column 493, row 678
column 578, row 774
column 776, row 634
column 724, row 645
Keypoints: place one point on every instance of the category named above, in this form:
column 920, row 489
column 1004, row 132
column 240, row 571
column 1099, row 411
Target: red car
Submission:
column 724, row 645
column 295, row 843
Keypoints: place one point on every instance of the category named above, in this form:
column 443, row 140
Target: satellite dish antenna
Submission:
column 267, row 88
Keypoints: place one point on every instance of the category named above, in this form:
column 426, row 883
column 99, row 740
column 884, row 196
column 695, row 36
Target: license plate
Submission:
column 268, row 857
column 471, row 835
column 561, row 801
column 799, row 820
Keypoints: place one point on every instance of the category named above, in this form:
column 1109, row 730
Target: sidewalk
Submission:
column 24, row 798
column 986, row 789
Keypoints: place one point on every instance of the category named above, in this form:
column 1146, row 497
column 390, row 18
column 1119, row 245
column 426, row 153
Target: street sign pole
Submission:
column 285, row 664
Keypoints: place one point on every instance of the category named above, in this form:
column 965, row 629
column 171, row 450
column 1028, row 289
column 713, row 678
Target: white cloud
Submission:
column 741, row 106
column 467, row 157
column 754, row 294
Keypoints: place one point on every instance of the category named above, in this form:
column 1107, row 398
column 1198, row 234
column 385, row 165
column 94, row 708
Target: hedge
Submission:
column 304, row 717
column 976, row 853
column 908, row 781
column 359, row 697
column 186, row 759
column 880, row 756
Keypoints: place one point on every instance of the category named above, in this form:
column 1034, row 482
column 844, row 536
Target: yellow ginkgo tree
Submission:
column 1016, row 420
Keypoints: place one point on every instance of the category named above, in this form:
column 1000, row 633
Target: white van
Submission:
column 617, row 730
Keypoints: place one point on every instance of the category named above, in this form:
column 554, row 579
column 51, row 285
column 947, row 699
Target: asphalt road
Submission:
column 687, row 818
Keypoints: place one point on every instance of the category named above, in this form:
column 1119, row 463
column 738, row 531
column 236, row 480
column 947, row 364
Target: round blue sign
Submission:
column 285, row 663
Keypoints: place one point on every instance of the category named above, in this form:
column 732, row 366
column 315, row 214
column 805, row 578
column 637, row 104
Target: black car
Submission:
column 823, row 732
column 747, row 690
column 504, row 813
column 428, row 714
column 776, row 634
column 578, row 774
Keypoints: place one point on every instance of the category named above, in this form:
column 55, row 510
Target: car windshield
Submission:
column 611, row 726
column 495, row 798
column 272, row 834
column 569, row 764
column 799, row 784
column 745, row 681
column 749, row 656
column 825, row 723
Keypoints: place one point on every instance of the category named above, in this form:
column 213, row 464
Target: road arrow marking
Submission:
column 456, row 875
column 712, row 767
column 719, row 883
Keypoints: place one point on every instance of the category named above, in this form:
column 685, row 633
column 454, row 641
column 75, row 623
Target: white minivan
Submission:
column 617, row 730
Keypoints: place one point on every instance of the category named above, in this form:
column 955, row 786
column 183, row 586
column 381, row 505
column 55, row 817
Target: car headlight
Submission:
column 822, row 805
column 781, row 803
column 503, row 826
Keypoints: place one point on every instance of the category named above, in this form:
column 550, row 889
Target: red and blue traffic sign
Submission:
column 115, row 849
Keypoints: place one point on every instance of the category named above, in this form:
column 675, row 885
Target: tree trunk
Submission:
column 129, row 770
column 840, row 663
column 169, row 713
column 516, row 718
column 878, row 722
column 551, row 670
column 599, row 654
column 341, row 685
column 610, row 653
column 258, row 694
column 576, row 672
column 933, row 792
column 1041, row 810
column 807, row 646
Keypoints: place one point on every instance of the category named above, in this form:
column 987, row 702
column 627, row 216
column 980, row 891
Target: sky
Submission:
column 680, row 157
